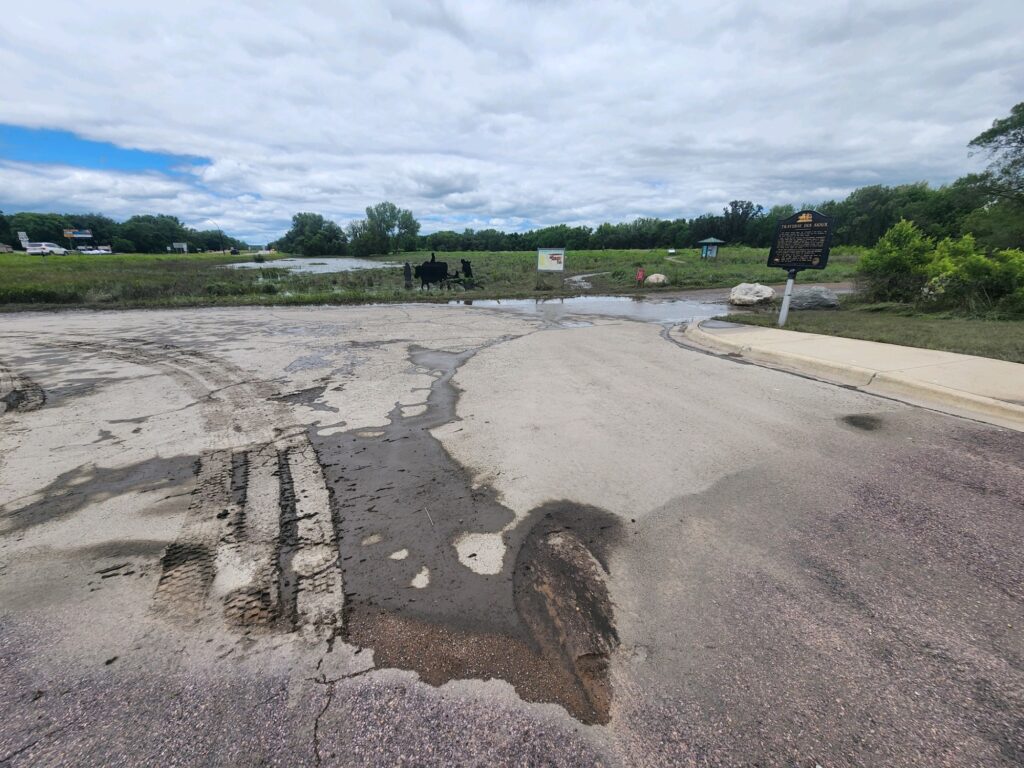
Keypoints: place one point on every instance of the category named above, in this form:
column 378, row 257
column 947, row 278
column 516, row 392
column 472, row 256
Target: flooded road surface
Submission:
column 645, row 309
column 318, row 265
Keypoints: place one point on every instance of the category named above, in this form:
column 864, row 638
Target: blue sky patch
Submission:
column 43, row 145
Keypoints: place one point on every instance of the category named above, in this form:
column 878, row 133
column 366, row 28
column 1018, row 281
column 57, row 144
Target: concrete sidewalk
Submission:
column 975, row 387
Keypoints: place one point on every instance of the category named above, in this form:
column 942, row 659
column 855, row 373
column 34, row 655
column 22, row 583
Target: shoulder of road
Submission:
column 964, row 385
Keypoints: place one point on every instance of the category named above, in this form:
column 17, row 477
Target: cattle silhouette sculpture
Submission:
column 430, row 272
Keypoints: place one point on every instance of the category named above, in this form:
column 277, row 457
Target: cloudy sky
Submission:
column 488, row 113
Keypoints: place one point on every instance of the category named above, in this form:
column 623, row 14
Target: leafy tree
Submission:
column 996, row 225
column 364, row 240
column 408, row 229
column 153, row 234
column 313, row 235
column 382, row 223
column 123, row 245
column 705, row 226
column 1004, row 144
column 45, row 227
column 389, row 228
column 739, row 219
column 6, row 235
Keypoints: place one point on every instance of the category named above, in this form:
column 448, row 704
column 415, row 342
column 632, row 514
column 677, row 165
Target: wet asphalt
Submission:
column 854, row 598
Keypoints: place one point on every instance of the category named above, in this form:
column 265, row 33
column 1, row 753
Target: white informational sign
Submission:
column 180, row 247
column 709, row 251
column 550, row 259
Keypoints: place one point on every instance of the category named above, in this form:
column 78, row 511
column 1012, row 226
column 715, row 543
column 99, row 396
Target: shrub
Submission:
column 955, row 274
column 897, row 269
column 965, row 278
column 218, row 289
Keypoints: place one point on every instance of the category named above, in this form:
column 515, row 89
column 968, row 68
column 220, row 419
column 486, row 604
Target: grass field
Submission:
column 894, row 324
column 516, row 272
column 148, row 280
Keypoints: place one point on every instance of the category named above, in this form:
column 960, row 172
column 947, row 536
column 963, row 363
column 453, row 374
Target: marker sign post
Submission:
column 801, row 242
column 551, row 259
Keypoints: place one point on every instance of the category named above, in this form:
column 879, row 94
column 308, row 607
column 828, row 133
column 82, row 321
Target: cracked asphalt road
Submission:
column 214, row 550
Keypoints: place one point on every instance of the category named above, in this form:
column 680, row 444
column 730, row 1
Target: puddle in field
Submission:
column 317, row 265
column 649, row 310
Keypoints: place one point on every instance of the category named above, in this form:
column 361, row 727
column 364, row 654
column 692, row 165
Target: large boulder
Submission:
column 814, row 297
column 656, row 279
column 749, row 294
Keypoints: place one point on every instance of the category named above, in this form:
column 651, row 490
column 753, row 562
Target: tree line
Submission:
column 138, row 234
column 968, row 205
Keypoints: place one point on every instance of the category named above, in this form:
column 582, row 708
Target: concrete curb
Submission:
column 892, row 384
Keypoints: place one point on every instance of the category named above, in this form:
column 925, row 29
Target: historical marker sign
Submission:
column 802, row 241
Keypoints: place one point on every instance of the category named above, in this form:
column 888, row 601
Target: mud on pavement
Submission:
column 353, row 535
column 18, row 392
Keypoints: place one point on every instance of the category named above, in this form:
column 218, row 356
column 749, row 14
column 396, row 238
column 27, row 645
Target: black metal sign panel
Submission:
column 802, row 241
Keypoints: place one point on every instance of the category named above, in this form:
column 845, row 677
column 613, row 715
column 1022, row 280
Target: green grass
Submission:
column 898, row 324
column 516, row 271
column 176, row 280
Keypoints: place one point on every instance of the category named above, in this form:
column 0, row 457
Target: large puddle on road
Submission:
column 318, row 265
column 646, row 309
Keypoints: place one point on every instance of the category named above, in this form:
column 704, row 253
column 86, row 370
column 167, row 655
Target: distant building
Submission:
column 4, row 248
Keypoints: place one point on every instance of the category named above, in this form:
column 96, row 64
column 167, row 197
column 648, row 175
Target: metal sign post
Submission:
column 801, row 241
column 784, row 312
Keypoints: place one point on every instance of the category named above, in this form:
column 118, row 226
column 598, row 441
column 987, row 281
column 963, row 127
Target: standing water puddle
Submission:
column 318, row 265
column 658, row 310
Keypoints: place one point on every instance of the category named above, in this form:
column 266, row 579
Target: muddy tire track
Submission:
column 262, row 556
column 229, row 398
column 19, row 392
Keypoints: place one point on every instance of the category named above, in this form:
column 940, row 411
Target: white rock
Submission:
column 656, row 279
column 749, row 294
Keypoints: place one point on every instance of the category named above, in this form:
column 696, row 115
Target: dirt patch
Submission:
column 561, row 596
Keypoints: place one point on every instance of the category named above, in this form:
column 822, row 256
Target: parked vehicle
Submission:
column 45, row 249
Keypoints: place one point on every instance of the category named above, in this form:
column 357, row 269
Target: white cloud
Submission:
column 503, row 113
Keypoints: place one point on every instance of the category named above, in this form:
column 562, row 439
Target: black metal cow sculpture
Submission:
column 432, row 272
